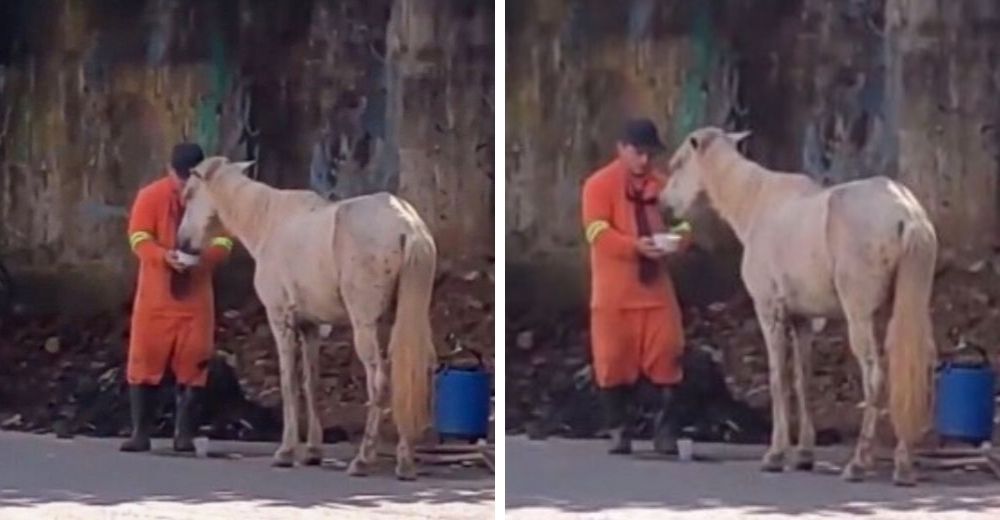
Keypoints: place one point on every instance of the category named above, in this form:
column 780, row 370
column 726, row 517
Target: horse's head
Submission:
column 200, row 220
column 687, row 167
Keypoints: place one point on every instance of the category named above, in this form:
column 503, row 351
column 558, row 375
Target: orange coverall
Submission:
column 635, row 328
column 166, row 328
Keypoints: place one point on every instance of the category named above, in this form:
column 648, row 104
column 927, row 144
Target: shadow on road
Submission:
column 578, row 477
column 38, row 470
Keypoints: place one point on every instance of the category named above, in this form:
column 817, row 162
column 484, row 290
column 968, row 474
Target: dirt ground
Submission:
column 54, row 371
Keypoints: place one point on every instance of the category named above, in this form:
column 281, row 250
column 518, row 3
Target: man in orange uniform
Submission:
column 173, row 318
column 635, row 321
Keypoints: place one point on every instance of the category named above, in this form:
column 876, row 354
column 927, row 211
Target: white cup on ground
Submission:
column 685, row 449
column 667, row 242
column 201, row 446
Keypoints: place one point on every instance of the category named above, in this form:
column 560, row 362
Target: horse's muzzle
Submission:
column 187, row 248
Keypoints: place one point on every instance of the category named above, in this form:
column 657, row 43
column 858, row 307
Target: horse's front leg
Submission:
column 310, row 372
column 802, row 342
column 775, row 326
column 286, row 340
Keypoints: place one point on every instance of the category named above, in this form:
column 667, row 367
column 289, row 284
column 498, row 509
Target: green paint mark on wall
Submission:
column 208, row 111
column 693, row 99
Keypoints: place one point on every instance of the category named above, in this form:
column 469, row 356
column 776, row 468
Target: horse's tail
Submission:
column 910, row 336
column 411, row 348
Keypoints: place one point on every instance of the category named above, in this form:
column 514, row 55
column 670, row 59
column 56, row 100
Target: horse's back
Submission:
column 355, row 243
column 380, row 214
column 872, row 212
column 865, row 233
column 851, row 230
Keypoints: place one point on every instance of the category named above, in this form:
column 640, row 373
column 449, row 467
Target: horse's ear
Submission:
column 242, row 166
column 736, row 137
column 213, row 166
column 702, row 144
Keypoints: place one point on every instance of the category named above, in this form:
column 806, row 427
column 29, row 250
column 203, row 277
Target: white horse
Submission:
column 323, row 263
column 813, row 252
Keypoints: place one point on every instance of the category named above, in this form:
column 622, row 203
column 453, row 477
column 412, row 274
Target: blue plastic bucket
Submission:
column 462, row 401
column 964, row 407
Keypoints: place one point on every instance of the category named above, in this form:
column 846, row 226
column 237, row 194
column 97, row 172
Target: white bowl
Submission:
column 668, row 242
column 187, row 259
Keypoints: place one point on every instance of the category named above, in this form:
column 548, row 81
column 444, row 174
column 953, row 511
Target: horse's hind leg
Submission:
column 310, row 373
column 903, row 474
column 861, row 329
column 286, row 338
column 775, row 326
column 376, row 379
column 802, row 340
column 406, row 467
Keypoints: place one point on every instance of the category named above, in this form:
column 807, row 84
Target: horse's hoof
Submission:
column 357, row 468
column 805, row 460
column 314, row 457
column 904, row 478
column 283, row 459
column 773, row 462
column 853, row 472
column 408, row 472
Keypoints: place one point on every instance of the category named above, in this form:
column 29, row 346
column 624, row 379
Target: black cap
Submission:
column 184, row 157
column 642, row 134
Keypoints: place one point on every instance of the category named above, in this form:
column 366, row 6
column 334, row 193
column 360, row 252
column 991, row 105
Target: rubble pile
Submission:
column 550, row 391
column 69, row 377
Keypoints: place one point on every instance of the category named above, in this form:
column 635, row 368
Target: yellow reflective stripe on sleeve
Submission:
column 137, row 237
column 595, row 228
column 683, row 227
column 223, row 242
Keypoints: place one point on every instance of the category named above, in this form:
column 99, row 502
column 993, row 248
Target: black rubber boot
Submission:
column 616, row 406
column 667, row 426
column 141, row 403
column 185, row 419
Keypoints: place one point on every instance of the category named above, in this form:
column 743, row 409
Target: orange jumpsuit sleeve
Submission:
column 142, row 229
column 597, row 216
column 218, row 251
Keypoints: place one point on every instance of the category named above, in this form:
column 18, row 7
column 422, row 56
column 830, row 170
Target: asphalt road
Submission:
column 557, row 479
column 45, row 478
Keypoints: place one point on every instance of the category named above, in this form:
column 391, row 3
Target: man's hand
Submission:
column 647, row 248
column 174, row 262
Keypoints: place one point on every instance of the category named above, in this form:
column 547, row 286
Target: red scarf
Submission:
column 180, row 283
column 649, row 270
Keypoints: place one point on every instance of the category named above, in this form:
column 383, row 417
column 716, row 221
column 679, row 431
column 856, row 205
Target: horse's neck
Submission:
column 741, row 190
column 245, row 208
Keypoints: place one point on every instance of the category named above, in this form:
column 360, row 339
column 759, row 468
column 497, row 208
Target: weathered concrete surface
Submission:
column 45, row 478
column 836, row 89
column 559, row 479
column 441, row 109
column 350, row 97
column 944, row 73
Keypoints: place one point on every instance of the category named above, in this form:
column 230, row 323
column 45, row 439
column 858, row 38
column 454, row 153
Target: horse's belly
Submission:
column 815, row 299
column 313, row 292
column 799, row 276
column 320, row 306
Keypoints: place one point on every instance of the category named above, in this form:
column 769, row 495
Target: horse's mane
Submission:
column 248, row 208
column 738, row 187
